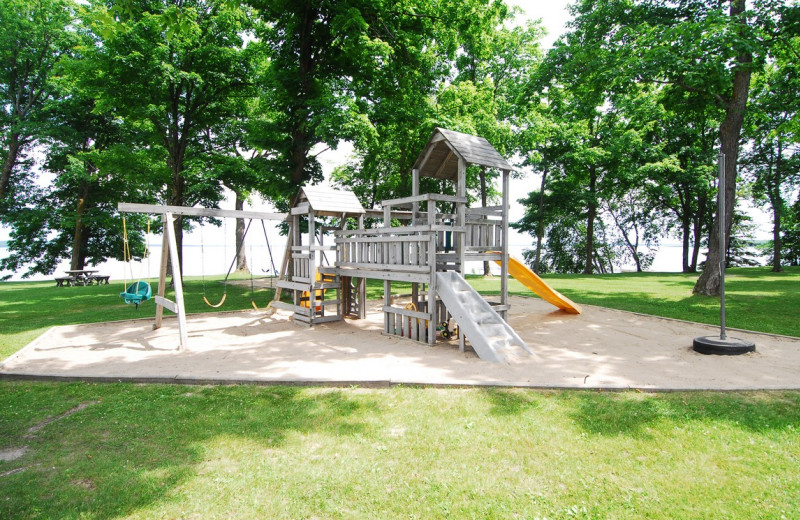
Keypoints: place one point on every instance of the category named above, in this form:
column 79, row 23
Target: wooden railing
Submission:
column 301, row 264
column 398, row 249
column 406, row 323
column 484, row 229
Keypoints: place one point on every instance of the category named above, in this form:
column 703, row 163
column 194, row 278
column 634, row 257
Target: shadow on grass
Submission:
column 506, row 402
column 138, row 443
column 631, row 414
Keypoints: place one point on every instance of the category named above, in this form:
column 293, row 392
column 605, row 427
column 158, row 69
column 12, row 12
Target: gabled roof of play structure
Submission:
column 439, row 158
column 330, row 202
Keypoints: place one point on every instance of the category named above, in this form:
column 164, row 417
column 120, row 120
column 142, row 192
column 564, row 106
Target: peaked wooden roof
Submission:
column 439, row 158
column 330, row 202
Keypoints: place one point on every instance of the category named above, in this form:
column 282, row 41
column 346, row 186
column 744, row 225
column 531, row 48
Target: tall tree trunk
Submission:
column 697, row 237
column 685, row 231
column 299, row 153
column 697, row 231
column 709, row 281
column 301, row 139
column 592, row 214
column 776, row 239
column 486, row 269
column 241, row 257
column 80, row 235
column 685, row 216
column 633, row 246
column 777, row 209
column 176, row 199
column 14, row 146
column 540, row 224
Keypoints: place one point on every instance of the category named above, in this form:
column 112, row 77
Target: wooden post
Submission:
column 461, row 212
column 312, row 264
column 362, row 283
column 432, row 283
column 504, row 263
column 414, row 220
column 414, row 193
column 176, row 277
column 295, row 242
column 162, row 274
column 387, row 285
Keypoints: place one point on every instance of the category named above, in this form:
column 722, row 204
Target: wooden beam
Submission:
column 461, row 191
column 504, row 261
column 301, row 209
column 444, row 163
column 487, row 211
column 177, row 282
column 169, row 304
column 162, row 275
column 424, row 198
column 378, row 213
column 431, row 296
column 128, row 207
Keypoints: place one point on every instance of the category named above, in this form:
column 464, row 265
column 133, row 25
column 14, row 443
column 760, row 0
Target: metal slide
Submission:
column 492, row 338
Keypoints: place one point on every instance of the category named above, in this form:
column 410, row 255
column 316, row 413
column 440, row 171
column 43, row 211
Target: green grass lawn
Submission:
column 756, row 298
column 170, row 451
column 155, row 451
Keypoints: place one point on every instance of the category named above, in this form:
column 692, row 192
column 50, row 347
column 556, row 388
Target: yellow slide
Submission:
column 532, row 281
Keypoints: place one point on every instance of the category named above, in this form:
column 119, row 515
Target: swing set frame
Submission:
column 169, row 253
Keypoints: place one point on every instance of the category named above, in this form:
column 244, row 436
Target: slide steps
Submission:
column 490, row 336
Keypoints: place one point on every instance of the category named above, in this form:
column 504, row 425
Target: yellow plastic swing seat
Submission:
column 217, row 305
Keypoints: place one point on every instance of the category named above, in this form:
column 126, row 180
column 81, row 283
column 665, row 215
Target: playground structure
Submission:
column 438, row 236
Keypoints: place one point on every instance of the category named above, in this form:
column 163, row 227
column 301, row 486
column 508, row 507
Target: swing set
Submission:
column 169, row 254
column 230, row 268
column 140, row 290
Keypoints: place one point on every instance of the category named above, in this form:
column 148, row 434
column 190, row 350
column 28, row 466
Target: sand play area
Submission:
column 601, row 348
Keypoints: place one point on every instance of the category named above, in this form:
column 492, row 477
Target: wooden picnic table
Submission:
column 81, row 277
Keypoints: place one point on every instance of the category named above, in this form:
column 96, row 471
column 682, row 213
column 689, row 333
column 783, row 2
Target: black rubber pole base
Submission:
column 724, row 347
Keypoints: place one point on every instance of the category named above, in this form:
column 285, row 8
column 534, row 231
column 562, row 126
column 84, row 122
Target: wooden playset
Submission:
column 426, row 239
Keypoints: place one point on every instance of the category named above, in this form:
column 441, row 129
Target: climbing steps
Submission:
column 492, row 338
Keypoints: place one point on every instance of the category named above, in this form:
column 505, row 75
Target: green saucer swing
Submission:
column 136, row 293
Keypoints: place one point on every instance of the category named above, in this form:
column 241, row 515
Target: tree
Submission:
column 578, row 81
column 679, row 167
column 703, row 47
column 790, row 239
column 169, row 72
column 328, row 62
column 541, row 141
column 413, row 91
column 483, row 100
column 36, row 35
column 636, row 225
column 773, row 158
column 75, row 216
